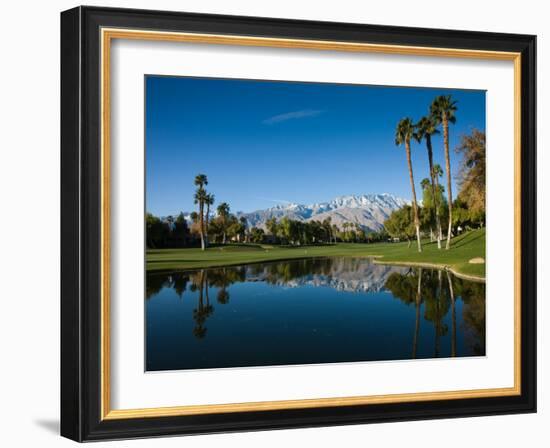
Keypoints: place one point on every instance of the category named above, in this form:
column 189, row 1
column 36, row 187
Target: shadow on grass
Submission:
column 306, row 246
column 466, row 241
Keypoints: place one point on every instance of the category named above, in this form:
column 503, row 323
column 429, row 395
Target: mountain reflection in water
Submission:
column 315, row 310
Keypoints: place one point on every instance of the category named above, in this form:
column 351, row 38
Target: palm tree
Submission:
column 443, row 111
column 223, row 213
column 424, row 129
column 438, row 172
column 244, row 227
column 201, row 180
column 345, row 227
column 326, row 224
column 358, row 232
column 208, row 201
column 335, row 231
column 403, row 135
column 200, row 198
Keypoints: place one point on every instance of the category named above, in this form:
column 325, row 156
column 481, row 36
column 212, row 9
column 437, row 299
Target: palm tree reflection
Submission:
column 453, row 319
column 204, row 308
column 417, row 320
column 426, row 288
column 436, row 310
column 202, row 281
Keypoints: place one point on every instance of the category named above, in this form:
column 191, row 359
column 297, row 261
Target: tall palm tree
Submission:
column 358, row 232
column 210, row 198
column 443, row 111
column 335, row 231
column 424, row 129
column 200, row 198
column 345, row 227
column 327, row 226
column 201, row 180
column 438, row 172
column 244, row 228
column 403, row 135
column 223, row 213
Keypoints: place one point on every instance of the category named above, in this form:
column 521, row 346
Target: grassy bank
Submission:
column 464, row 248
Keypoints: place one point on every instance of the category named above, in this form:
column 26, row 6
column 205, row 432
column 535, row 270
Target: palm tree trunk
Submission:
column 201, row 224
column 224, row 227
column 415, row 206
column 206, row 224
column 448, row 169
column 434, row 190
column 438, row 230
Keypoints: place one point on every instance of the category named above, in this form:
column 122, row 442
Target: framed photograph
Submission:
column 274, row 223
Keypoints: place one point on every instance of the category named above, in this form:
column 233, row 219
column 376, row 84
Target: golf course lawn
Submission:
column 463, row 248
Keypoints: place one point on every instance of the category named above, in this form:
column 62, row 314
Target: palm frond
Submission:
column 404, row 131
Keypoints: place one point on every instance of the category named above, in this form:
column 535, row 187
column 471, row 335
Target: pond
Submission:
column 315, row 310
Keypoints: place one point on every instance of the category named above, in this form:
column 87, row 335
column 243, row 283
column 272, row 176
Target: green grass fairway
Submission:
column 464, row 247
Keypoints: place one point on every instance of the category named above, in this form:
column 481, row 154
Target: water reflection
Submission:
column 304, row 311
column 437, row 292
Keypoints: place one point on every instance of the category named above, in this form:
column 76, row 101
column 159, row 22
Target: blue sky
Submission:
column 261, row 143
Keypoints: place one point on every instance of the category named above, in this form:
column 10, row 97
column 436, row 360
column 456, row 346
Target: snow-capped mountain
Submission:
column 368, row 210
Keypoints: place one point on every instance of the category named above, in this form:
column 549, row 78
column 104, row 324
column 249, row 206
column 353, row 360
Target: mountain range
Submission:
column 367, row 210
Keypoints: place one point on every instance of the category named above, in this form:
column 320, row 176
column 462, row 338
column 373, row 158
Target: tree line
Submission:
column 207, row 228
column 203, row 229
column 293, row 232
column 224, row 227
column 442, row 113
column 466, row 211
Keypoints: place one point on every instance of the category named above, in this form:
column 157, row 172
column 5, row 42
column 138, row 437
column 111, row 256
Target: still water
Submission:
column 316, row 310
